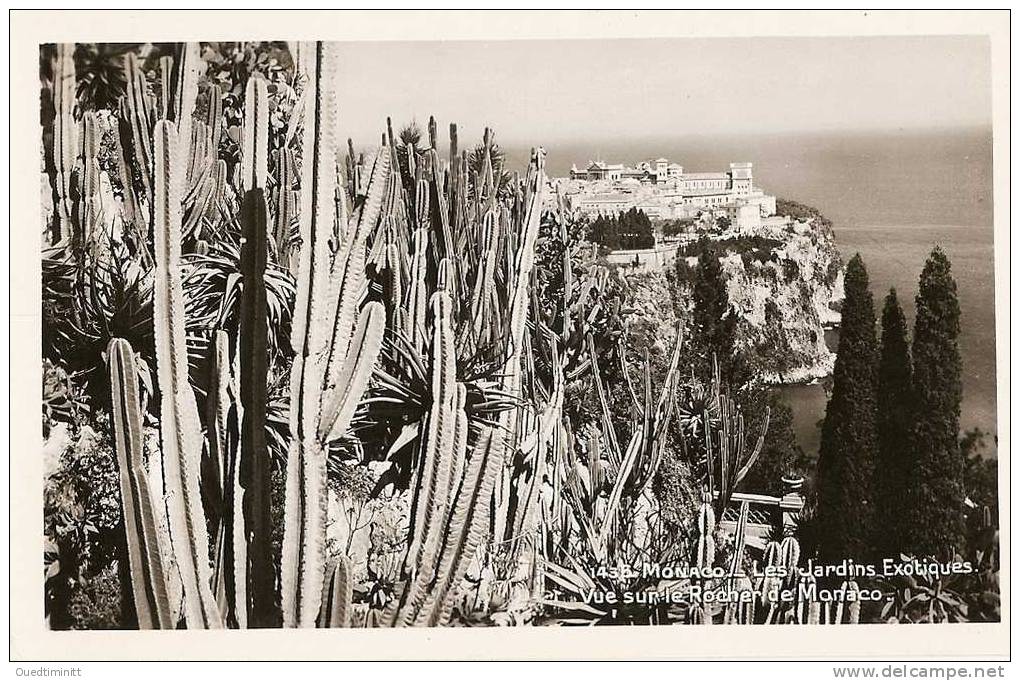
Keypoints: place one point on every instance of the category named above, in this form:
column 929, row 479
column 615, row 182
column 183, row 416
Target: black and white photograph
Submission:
column 544, row 332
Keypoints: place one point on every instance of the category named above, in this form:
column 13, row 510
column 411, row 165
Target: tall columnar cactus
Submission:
column 65, row 139
column 230, row 578
column 739, row 540
column 89, row 214
column 137, row 116
column 854, row 606
column 180, row 427
column 285, row 206
column 253, row 353
column 438, row 457
column 148, row 583
column 729, row 449
column 705, row 556
column 518, row 290
column 255, row 145
column 336, row 599
column 335, row 343
column 789, row 557
column 303, row 559
column 130, row 209
column 254, row 364
column 187, row 68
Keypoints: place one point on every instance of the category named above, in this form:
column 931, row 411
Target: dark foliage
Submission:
column 848, row 433
column 100, row 73
column 936, row 504
column 714, row 323
column 781, row 456
column 86, row 301
column 754, row 247
column 629, row 230
column 980, row 472
column 801, row 211
column 893, row 474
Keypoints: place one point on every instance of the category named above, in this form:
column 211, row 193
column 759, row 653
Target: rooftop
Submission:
column 706, row 176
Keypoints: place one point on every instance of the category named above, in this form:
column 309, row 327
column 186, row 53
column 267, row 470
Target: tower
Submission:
column 741, row 179
column 661, row 166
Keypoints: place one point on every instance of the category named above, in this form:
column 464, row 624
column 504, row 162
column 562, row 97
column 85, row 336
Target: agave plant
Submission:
column 923, row 598
column 90, row 300
column 212, row 282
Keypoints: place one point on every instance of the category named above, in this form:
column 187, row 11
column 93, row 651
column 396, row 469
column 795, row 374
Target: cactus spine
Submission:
column 148, row 583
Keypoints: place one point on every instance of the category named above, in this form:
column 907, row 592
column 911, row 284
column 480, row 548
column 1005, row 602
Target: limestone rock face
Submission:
column 785, row 284
column 787, row 301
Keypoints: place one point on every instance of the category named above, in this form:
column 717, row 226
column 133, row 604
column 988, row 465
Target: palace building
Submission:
column 664, row 191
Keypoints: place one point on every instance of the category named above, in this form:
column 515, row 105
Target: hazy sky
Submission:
column 544, row 92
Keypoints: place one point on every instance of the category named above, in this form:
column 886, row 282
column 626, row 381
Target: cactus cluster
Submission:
column 417, row 334
column 396, row 251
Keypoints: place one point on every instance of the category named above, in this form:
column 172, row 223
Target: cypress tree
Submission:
column 715, row 326
column 936, row 504
column 848, row 432
column 894, row 474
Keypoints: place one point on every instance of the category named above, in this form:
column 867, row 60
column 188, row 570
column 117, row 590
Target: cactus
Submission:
column 789, row 558
column 91, row 214
column 459, row 469
column 335, row 344
column 285, row 205
column 65, row 140
column 187, row 67
column 705, row 556
column 854, row 608
column 181, row 431
column 810, row 612
column 230, row 577
column 148, row 583
column 254, row 366
column 214, row 118
column 130, row 208
column 729, row 448
column 304, row 509
column 336, row 599
column 739, row 540
column 255, row 150
column 136, row 113
column 438, row 459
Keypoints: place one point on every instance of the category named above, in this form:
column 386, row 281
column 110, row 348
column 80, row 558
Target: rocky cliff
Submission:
column 785, row 284
column 786, row 300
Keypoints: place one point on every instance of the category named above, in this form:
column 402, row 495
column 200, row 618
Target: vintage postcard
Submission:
column 486, row 335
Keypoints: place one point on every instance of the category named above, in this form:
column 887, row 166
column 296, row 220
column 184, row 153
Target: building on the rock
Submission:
column 664, row 191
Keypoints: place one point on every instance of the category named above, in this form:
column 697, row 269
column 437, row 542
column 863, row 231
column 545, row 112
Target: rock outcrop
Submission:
column 785, row 284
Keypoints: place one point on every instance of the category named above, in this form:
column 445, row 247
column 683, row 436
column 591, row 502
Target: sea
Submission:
column 891, row 195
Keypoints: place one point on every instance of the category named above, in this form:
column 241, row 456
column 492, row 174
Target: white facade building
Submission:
column 664, row 191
